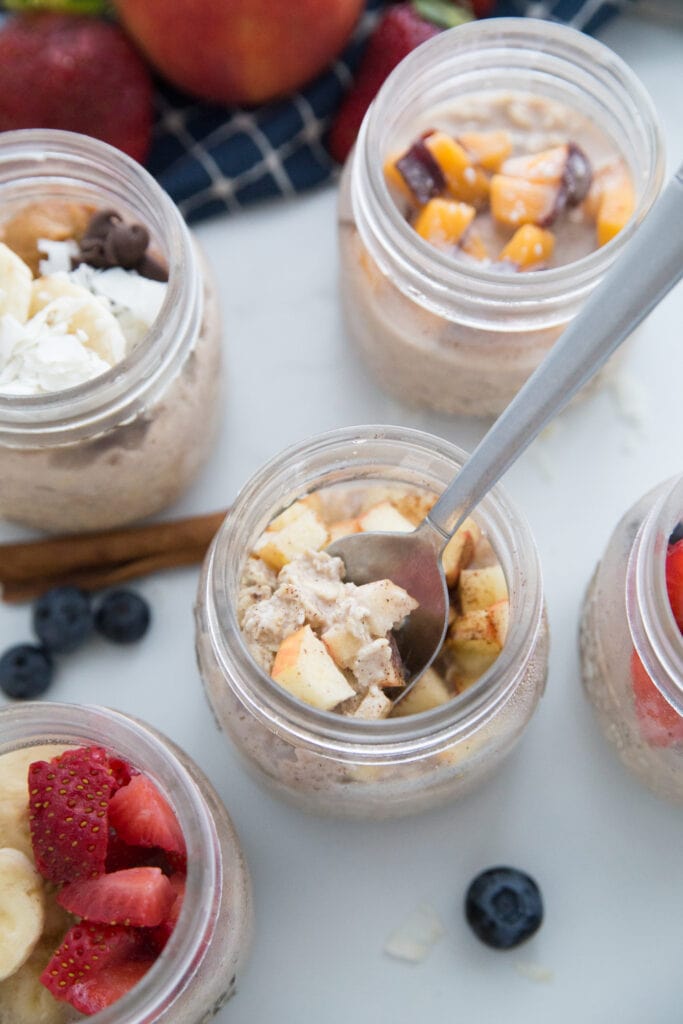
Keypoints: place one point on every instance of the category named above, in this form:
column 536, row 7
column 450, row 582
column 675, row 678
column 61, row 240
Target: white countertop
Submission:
column 606, row 853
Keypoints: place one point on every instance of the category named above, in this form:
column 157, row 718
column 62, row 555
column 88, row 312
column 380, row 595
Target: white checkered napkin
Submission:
column 212, row 159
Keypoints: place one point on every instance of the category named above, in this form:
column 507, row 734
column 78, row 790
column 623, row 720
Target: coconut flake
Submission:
column 414, row 938
column 58, row 255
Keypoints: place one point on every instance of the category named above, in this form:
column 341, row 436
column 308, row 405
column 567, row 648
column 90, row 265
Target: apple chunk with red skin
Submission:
column 239, row 51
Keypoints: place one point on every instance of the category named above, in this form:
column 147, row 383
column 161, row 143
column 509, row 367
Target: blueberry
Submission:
column 62, row 619
column 503, row 907
column 677, row 534
column 25, row 671
column 123, row 616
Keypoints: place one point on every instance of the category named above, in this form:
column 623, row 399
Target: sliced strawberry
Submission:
column 160, row 935
column 87, row 949
column 143, row 817
column 119, row 770
column 660, row 725
column 68, row 805
column 674, row 580
column 104, row 988
column 139, row 897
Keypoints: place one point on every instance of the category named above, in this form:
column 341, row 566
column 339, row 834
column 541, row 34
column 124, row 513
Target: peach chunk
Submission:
column 444, row 221
column 616, row 206
column 395, row 180
column 529, row 247
column 464, row 179
column 516, row 201
column 488, row 149
column 474, row 245
column 546, row 167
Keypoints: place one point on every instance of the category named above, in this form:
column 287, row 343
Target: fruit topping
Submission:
column 503, row 906
column 62, row 619
column 529, row 248
column 108, row 241
column 565, row 167
column 443, row 222
column 421, row 172
column 123, row 616
column 140, row 896
column 488, row 149
column 464, row 179
column 611, row 201
column 160, row 935
column 51, row 220
column 22, row 910
column 674, row 580
column 89, row 951
column 68, row 816
column 26, row 671
column 660, row 724
column 303, row 667
column 143, row 817
column 474, row 245
column 516, row 201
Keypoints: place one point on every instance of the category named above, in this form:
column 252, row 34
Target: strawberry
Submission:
column 160, row 935
column 399, row 31
column 138, row 897
column 88, row 949
column 660, row 725
column 102, row 989
column 674, row 580
column 120, row 771
column 143, row 817
column 76, row 73
column 68, row 804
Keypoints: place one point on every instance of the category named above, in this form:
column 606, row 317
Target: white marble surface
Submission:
column 606, row 853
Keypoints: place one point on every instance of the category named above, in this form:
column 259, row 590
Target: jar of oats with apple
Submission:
column 109, row 338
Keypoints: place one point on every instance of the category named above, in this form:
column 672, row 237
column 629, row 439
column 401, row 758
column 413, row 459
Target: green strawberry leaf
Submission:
column 442, row 12
column 61, row 6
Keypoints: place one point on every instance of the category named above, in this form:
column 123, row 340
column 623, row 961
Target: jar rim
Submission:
column 65, row 160
column 539, row 298
column 34, row 723
column 654, row 630
column 325, row 731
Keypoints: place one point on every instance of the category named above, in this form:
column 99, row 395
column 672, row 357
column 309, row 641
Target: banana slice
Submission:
column 68, row 308
column 22, row 910
column 15, row 285
column 25, row 1000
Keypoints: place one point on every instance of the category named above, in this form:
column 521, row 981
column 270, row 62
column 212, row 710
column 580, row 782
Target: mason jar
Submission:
column 127, row 443
column 459, row 335
column 328, row 763
column 632, row 648
column 203, row 961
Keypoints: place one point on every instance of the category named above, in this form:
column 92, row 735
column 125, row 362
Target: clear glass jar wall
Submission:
column 454, row 336
column 129, row 442
column 324, row 762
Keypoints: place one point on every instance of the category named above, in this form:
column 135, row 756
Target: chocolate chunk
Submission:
column 126, row 245
column 93, row 252
column 421, row 172
column 151, row 268
column 577, row 176
column 101, row 223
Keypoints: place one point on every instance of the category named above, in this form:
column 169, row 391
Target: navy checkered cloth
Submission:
column 212, row 159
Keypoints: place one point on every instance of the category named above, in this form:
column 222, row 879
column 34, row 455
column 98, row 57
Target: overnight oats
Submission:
column 109, row 338
column 125, row 892
column 303, row 669
column 631, row 642
column 500, row 171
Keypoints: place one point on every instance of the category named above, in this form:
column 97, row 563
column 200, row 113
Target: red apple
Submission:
column 239, row 51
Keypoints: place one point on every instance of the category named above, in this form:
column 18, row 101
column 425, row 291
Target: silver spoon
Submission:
column 650, row 266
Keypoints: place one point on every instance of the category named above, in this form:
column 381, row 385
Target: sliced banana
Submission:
column 25, row 1000
column 22, row 910
column 15, row 285
column 65, row 307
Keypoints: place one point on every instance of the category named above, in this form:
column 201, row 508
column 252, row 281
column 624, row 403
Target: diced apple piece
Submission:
column 474, row 245
column 443, row 222
column 474, row 644
column 384, row 518
column 515, row 201
column 459, row 550
column 303, row 667
column 296, row 530
column 480, row 588
column 385, row 604
column 342, row 528
column 372, row 705
column 430, row 691
column 342, row 644
column 465, row 181
column 488, row 149
column 529, row 247
column 415, row 505
column 499, row 614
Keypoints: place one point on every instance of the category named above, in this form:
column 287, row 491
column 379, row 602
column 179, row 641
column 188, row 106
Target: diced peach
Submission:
column 529, row 247
column 616, row 208
column 515, row 201
column 474, row 245
column 444, row 221
column 395, row 180
column 465, row 181
column 488, row 149
column 546, row 167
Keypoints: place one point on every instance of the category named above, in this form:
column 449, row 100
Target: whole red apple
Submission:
column 239, row 51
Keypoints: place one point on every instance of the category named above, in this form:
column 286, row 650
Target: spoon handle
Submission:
column 650, row 266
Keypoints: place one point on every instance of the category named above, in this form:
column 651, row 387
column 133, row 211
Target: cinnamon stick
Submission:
column 97, row 560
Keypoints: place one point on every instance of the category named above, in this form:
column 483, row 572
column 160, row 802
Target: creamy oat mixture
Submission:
column 330, row 642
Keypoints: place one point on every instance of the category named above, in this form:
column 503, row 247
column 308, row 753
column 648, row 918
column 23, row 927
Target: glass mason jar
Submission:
column 205, row 956
column 328, row 763
column 129, row 442
column 453, row 335
column 631, row 647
